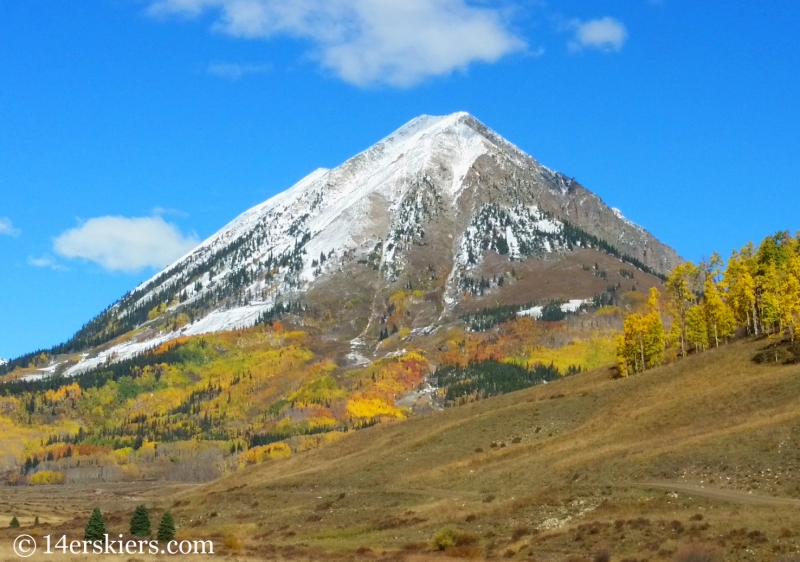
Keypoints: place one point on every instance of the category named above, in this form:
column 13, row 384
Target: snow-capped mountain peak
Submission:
column 423, row 207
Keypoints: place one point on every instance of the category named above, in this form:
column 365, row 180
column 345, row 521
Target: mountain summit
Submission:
column 443, row 207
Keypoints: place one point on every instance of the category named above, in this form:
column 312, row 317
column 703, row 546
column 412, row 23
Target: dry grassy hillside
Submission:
column 589, row 464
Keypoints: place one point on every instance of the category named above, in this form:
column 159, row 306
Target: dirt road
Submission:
column 722, row 495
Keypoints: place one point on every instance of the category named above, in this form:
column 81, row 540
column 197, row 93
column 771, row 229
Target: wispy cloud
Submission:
column 604, row 34
column 366, row 42
column 160, row 211
column 235, row 71
column 46, row 261
column 7, row 227
column 125, row 244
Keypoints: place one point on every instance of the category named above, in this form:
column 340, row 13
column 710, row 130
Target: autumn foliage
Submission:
column 757, row 293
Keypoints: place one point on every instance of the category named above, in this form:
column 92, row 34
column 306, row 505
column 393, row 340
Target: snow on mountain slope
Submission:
column 440, row 190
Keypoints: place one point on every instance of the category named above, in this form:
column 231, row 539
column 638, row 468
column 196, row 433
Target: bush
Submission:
column 232, row 542
column 450, row 537
column 698, row 552
column 47, row 478
column 602, row 555
column 14, row 523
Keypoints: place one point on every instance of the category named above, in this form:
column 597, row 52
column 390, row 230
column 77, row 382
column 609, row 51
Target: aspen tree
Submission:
column 696, row 328
column 789, row 298
column 719, row 318
column 680, row 299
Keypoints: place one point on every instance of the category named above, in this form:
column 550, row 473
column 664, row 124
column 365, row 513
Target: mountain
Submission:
column 444, row 209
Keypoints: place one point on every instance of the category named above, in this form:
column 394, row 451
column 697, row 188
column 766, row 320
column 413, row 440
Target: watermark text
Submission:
column 25, row 546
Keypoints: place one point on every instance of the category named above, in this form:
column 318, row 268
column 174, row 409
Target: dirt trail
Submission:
column 717, row 494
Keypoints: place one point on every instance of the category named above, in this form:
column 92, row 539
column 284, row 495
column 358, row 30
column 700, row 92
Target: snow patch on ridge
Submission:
column 571, row 306
column 620, row 216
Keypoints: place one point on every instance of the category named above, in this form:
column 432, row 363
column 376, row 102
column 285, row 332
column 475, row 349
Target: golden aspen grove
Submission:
column 757, row 293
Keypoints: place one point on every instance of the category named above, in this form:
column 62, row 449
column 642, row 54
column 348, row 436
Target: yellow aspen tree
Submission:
column 634, row 342
column 680, row 299
column 623, row 365
column 696, row 328
column 750, row 265
column 642, row 342
column 719, row 318
column 789, row 298
column 770, row 306
column 654, row 337
column 739, row 290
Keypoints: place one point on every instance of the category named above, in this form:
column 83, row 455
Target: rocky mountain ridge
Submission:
column 443, row 206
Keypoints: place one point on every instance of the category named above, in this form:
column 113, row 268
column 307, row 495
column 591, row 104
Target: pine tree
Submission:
column 96, row 527
column 36, row 521
column 166, row 528
column 14, row 523
column 140, row 522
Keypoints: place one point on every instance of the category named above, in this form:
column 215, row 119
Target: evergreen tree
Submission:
column 36, row 521
column 96, row 527
column 14, row 523
column 140, row 522
column 166, row 528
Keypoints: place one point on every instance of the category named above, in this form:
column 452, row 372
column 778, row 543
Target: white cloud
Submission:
column 46, row 261
column 125, row 244
column 7, row 227
column 234, row 71
column 605, row 34
column 367, row 42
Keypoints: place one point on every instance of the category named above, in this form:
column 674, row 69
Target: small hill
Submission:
column 636, row 466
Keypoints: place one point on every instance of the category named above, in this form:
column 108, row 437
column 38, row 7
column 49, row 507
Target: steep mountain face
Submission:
column 443, row 211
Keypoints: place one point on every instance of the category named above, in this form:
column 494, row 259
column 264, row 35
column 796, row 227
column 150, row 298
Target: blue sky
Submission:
column 131, row 129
